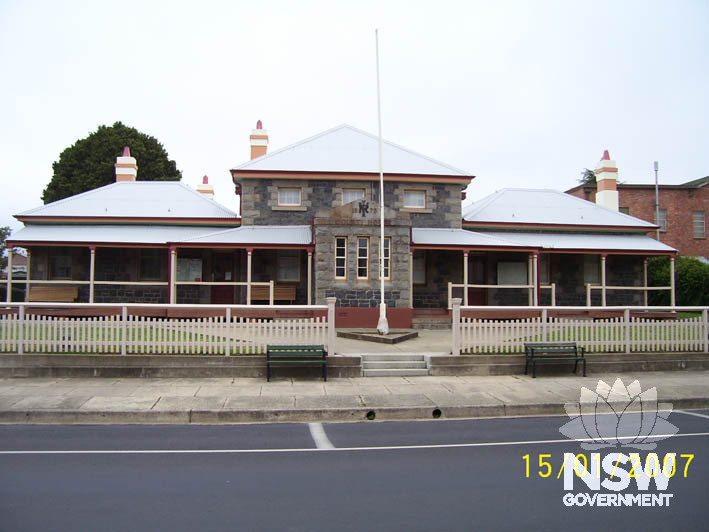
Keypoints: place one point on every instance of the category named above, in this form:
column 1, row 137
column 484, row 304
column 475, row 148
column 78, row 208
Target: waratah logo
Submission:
column 618, row 417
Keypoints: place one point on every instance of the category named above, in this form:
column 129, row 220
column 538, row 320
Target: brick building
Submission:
column 683, row 211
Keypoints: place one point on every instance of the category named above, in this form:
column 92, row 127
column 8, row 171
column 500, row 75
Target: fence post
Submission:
column 124, row 330
column 706, row 330
column 21, row 331
column 545, row 328
column 626, row 318
column 227, row 318
column 331, row 325
column 455, row 326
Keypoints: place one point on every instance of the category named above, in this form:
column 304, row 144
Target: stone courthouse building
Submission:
column 309, row 229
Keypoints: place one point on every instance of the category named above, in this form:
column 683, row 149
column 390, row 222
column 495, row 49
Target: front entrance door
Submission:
column 223, row 271
column 476, row 275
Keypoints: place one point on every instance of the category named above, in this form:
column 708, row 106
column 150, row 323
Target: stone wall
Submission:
column 260, row 201
column 442, row 267
column 359, row 292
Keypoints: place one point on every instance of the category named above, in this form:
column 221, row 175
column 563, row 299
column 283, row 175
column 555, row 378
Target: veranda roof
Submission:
column 104, row 234
column 543, row 241
column 300, row 235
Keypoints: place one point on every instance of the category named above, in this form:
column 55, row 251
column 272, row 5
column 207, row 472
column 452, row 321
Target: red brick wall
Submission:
column 680, row 204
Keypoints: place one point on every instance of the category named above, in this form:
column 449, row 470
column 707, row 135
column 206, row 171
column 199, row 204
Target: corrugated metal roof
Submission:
column 458, row 237
column 108, row 234
column 348, row 149
column 530, row 206
column 257, row 234
column 600, row 242
column 143, row 199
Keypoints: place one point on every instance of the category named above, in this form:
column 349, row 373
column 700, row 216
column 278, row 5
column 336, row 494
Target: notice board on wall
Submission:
column 510, row 273
column 189, row 269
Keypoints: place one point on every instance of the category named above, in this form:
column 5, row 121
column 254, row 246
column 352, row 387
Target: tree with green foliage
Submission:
column 691, row 281
column 4, row 233
column 89, row 163
column 588, row 177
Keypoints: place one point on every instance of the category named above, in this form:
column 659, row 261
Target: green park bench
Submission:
column 296, row 355
column 535, row 352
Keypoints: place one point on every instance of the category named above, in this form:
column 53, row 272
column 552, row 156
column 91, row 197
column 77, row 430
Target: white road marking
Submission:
column 334, row 449
column 317, row 431
column 692, row 414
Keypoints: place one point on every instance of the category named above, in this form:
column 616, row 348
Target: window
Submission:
column 387, row 258
column 61, row 267
column 591, row 269
column 544, row 269
column 352, row 194
column 663, row 220
column 362, row 257
column 699, row 223
column 289, row 197
column 511, row 273
column 419, row 267
column 341, row 257
column 414, row 199
column 289, row 265
column 150, row 264
column 624, row 210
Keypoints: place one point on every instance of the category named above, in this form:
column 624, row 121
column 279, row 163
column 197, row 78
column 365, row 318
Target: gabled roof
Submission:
column 349, row 150
column 278, row 235
column 583, row 242
column 517, row 206
column 134, row 199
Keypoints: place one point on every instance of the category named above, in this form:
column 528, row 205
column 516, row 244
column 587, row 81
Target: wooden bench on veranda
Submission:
column 296, row 355
column 281, row 292
column 53, row 294
column 535, row 352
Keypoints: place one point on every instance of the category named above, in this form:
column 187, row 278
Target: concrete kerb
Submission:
column 236, row 416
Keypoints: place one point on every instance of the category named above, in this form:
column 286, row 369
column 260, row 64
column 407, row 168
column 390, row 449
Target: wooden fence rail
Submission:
column 620, row 334
column 125, row 333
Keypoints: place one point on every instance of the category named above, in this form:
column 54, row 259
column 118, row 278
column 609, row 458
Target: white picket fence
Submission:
column 623, row 334
column 24, row 332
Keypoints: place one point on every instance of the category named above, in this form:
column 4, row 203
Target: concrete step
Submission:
column 431, row 323
column 394, row 373
column 398, row 357
column 391, row 364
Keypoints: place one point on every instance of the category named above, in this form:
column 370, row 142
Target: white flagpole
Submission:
column 383, row 325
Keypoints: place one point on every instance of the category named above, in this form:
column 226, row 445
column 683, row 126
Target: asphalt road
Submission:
column 431, row 475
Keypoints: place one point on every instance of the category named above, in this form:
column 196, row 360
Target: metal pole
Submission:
column 657, row 200
column 383, row 325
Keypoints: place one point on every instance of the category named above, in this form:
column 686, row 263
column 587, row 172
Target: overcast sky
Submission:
column 520, row 94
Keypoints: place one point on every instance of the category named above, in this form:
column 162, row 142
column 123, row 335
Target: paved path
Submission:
column 229, row 400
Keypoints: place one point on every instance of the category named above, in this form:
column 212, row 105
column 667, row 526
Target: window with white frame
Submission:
column 419, row 267
column 341, row 257
column 663, row 219
column 288, row 197
column 363, row 257
column 289, row 265
column 414, row 199
column 699, row 224
column 352, row 194
column 387, row 258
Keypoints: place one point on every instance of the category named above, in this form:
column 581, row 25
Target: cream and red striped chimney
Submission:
column 126, row 167
column 606, row 182
column 205, row 188
column 259, row 141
